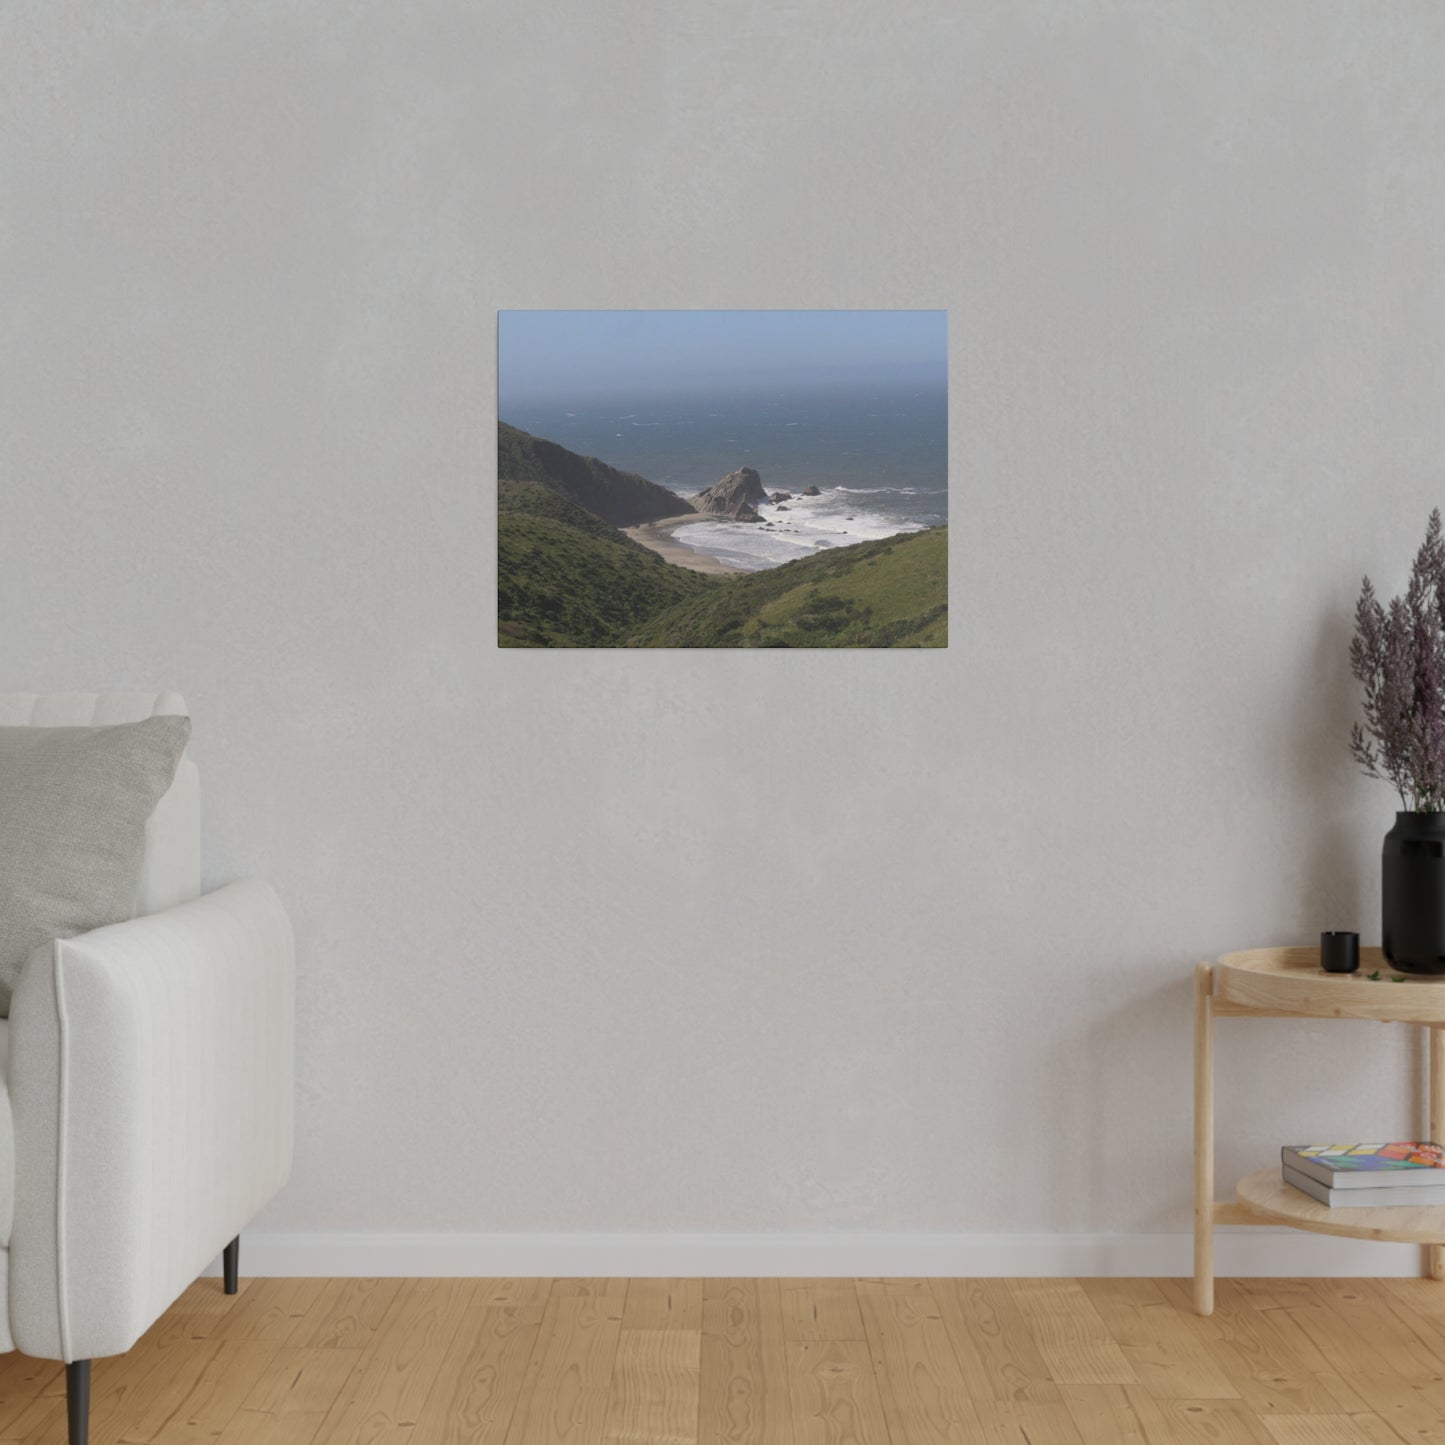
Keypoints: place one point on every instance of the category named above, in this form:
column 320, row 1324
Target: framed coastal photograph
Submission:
column 722, row 479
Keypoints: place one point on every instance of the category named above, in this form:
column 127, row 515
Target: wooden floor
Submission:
column 765, row 1362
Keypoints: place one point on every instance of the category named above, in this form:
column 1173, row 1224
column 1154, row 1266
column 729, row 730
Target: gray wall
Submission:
column 756, row 942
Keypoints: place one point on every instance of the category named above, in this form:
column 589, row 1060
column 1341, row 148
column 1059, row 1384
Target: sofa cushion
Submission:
column 74, row 802
column 171, row 872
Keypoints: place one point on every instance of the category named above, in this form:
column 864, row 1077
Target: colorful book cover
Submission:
column 1366, row 1158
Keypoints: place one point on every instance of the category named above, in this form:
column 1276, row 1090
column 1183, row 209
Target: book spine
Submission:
column 1308, row 1167
column 1316, row 1191
column 1388, row 1198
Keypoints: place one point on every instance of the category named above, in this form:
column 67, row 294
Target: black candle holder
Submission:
column 1340, row 952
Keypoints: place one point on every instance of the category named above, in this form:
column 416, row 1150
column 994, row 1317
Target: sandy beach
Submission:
column 658, row 536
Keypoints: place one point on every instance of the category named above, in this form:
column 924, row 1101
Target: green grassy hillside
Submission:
column 568, row 579
column 874, row 594
column 622, row 498
column 536, row 500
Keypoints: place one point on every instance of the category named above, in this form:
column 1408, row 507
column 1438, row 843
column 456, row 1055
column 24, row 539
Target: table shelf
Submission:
column 1267, row 1196
column 1289, row 983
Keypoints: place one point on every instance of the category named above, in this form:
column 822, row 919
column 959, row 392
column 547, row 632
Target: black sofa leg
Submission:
column 231, row 1264
column 77, row 1401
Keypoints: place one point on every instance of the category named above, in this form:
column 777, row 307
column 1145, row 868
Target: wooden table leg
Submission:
column 1435, row 1253
column 1204, row 1138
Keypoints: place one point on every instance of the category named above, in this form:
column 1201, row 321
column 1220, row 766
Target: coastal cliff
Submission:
column 622, row 498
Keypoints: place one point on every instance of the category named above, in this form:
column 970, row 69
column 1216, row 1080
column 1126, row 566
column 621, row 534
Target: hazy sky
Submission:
column 574, row 355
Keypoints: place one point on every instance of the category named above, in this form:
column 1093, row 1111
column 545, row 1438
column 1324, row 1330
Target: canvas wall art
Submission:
column 722, row 479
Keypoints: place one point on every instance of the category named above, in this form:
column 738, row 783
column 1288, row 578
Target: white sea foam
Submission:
column 801, row 527
column 894, row 491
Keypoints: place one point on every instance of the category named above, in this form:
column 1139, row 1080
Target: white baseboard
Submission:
column 1241, row 1252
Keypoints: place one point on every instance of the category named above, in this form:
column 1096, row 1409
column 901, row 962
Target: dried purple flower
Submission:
column 1398, row 654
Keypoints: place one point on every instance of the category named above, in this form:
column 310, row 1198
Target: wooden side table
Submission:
column 1267, row 983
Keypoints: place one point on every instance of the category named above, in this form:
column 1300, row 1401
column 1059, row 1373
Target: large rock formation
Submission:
column 733, row 497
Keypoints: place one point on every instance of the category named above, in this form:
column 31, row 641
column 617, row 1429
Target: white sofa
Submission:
column 148, row 1078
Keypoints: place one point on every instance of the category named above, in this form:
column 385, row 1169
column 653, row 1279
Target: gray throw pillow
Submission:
column 73, row 809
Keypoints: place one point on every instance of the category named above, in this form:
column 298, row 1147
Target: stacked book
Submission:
column 1367, row 1176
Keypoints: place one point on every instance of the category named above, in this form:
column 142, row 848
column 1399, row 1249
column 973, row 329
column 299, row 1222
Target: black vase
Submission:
column 1414, row 893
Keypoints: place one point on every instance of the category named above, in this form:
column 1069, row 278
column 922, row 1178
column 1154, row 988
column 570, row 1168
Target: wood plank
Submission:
column 397, row 1369
column 1107, row 1413
column 569, row 1378
column 1276, row 1292
column 43, row 1422
column 229, row 1376
column 43, row 1415
column 346, row 1316
column 1164, row 1345
column 597, row 1288
column 821, row 1309
column 654, row 1388
column 743, row 1372
column 1330, row 1430
column 273, row 1312
column 514, row 1291
column 1205, row 1422
column 663, row 1304
column 1334, row 1333
column 918, row 1287
column 1417, row 1305
column 925, row 1397
column 1412, row 1344
column 290, row 1400
column 1420, row 1296
column 134, row 1402
column 1256, row 1312
column 207, row 1297
column 1073, row 1340
column 1268, row 1375
column 24, row 1380
column 1413, row 1408
column 995, row 1349
column 833, row 1394
column 1028, row 1422
column 175, row 1327
column 480, row 1382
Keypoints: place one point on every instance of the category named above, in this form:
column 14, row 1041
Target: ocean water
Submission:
column 879, row 458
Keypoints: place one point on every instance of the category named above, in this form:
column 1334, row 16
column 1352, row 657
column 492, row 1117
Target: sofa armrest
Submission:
column 151, row 1081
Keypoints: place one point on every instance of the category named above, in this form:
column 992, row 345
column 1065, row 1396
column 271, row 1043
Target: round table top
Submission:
column 1291, row 981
